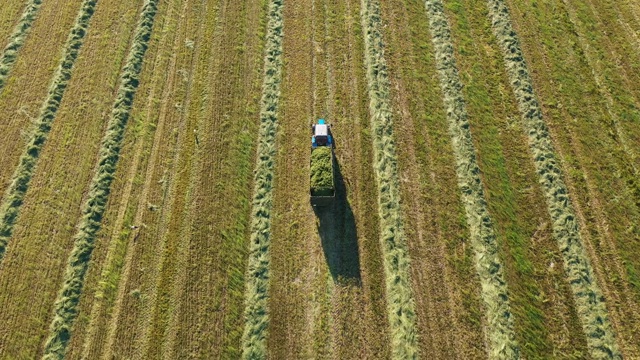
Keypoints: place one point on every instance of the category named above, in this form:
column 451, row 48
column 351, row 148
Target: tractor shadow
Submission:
column 339, row 235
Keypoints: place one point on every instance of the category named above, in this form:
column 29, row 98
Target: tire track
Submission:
column 217, row 241
column 615, row 86
column 320, row 320
column 157, row 340
column 10, row 15
column 188, row 339
column 152, row 315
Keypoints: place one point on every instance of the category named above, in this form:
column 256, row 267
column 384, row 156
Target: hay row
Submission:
column 14, row 195
column 65, row 307
column 254, row 337
column 590, row 302
column 16, row 40
column 400, row 302
column 499, row 329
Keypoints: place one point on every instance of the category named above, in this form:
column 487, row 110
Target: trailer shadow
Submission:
column 339, row 235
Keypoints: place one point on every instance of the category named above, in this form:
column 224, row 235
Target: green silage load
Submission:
column 321, row 172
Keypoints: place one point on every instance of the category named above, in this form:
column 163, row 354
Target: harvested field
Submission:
column 590, row 304
column 16, row 189
column 508, row 173
column 46, row 234
column 495, row 295
column 16, row 39
column 156, row 174
column 10, row 16
column 93, row 209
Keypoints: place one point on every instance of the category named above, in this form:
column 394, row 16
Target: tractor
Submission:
column 322, row 175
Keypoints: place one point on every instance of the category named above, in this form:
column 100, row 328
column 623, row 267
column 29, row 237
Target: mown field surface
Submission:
column 155, row 178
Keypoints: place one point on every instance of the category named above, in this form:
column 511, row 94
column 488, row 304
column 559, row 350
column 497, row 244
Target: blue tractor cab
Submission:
column 321, row 134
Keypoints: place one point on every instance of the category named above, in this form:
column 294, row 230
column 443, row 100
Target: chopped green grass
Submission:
column 321, row 172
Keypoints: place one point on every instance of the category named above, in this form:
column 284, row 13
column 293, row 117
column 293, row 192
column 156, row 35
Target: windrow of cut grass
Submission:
column 93, row 209
column 400, row 302
column 590, row 302
column 10, row 52
column 489, row 266
column 14, row 196
column 257, row 279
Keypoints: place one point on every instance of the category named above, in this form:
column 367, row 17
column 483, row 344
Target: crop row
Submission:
column 12, row 201
column 257, row 283
column 10, row 52
column 483, row 238
column 93, row 210
column 589, row 300
column 400, row 302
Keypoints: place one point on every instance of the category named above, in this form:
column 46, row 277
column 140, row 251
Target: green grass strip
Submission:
column 16, row 40
column 590, row 302
column 254, row 337
column 499, row 328
column 14, row 195
column 400, row 302
column 66, row 304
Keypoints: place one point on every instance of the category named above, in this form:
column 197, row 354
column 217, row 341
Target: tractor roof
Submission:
column 322, row 130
